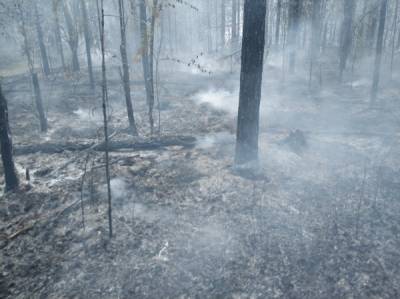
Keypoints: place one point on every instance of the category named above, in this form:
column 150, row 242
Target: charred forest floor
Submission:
column 320, row 219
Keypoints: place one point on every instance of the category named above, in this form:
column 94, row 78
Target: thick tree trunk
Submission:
column 43, row 51
column 379, row 48
column 57, row 32
column 39, row 103
column 72, row 39
column 278, row 21
column 125, row 68
column 293, row 28
column 10, row 173
column 88, row 42
column 253, row 43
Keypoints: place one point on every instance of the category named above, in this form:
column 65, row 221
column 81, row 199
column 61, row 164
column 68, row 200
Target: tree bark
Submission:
column 379, row 48
column 88, row 42
column 253, row 43
column 43, row 52
column 39, row 103
column 346, row 38
column 234, row 21
column 72, row 38
column 223, row 23
column 315, row 37
column 293, row 28
column 125, row 68
column 147, row 65
column 278, row 21
column 105, row 117
column 11, row 178
column 395, row 19
column 58, row 34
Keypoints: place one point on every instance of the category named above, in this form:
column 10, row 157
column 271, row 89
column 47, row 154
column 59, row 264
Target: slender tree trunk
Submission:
column 72, row 38
column 395, row 19
column 316, row 36
column 146, row 61
column 234, row 21
column 39, row 103
column 58, row 35
column 371, row 32
column 43, row 52
column 105, row 117
column 125, row 68
column 278, row 21
column 88, row 42
column 223, row 23
column 35, row 81
column 346, row 35
column 293, row 28
column 253, row 44
column 11, row 177
column 267, row 23
column 379, row 48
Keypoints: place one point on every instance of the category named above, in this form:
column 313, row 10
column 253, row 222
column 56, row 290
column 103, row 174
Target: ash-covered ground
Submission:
column 320, row 219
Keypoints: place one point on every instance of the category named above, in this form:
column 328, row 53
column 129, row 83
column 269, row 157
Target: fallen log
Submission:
column 147, row 144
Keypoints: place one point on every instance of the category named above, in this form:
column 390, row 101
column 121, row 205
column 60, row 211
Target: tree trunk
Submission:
column 39, row 103
column 253, row 43
column 10, row 173
column 58, row 34
column 379, row 48
column 43, row 52
column 105, row 117
column 223, row 24
column 125, row 68
column 346, row 35
column 316, row 36
column 234, row 21
column 395, row 19
column 147, row 69
column 293, row 28
column 88, row 42
column 72, row 39
column 278, row 21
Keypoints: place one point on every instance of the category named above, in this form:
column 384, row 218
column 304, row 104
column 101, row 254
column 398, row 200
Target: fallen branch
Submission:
column 150, row 144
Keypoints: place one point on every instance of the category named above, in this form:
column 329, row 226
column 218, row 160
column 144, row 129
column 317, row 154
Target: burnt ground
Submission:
column 320, row 219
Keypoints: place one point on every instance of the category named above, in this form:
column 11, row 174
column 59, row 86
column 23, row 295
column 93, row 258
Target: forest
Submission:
column 187, row 149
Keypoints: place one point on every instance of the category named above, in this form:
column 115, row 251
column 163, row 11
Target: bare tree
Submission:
column 147, row 56
column 88, row 42
column 100, row 12
column 125, row 68
column 73, row 38
column 42, row 46
column 278, row 21
column 253, row 43
column 223, row 23
column 35, row 81
column 346, row 36
column 57, row 33
column 10, row 173
column 293, row 27
column 395, row 20
column 315, row 37
column 379, row 49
